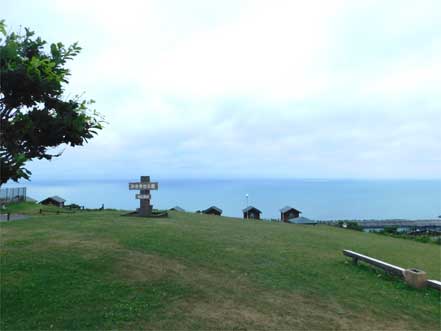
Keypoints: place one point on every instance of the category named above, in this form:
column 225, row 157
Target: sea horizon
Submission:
column 318, row 198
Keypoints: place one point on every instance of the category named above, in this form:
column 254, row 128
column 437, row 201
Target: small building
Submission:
column 177, row 208
column 287, row 213
column 54, row 201
column 301, row 220
column 251, row 212
column 213, row 210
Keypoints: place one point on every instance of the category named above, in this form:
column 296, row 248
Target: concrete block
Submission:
column 415, row 278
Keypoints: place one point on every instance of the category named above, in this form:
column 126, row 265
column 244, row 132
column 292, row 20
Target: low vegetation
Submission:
column 99, row 270
column 432, row 237
column 351, row 225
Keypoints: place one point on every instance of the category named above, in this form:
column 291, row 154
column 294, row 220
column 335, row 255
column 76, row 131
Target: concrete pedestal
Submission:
column 415, row 278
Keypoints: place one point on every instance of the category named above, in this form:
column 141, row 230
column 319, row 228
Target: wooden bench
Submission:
column 436, row 284
column 389, row 268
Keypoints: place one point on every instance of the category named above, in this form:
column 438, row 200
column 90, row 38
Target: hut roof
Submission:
column 55, row 198
column 288, row 208
column 249, row 208
column 214, row 208
column 58, row 199
column 302, row 220
column 177, row 208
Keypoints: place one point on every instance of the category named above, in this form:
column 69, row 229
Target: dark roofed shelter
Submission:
column 251, row 212
column 54, row 201
column 301, row 220
column 213, row 210
column 177, row 208
column 287, row 213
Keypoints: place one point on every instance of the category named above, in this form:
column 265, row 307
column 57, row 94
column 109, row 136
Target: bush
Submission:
column 352, row 225
column 390, row 230
column 423, row 239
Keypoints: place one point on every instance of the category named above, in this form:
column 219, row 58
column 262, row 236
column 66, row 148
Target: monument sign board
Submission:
column 145, row 208
column 143, row 196
column 143, row 186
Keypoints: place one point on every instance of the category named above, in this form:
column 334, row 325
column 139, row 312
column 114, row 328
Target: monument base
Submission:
column 154, row 214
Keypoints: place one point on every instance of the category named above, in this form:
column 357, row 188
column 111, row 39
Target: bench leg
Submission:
column 355, row 260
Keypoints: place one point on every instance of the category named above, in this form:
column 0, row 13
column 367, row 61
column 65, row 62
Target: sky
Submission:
column 249, row 89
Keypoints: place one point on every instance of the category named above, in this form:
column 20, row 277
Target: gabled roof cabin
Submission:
column 213, row 210
column 54, row 200
column 251, row 212
column 287, row 213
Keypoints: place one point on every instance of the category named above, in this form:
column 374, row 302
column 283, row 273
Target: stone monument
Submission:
column 144, row 186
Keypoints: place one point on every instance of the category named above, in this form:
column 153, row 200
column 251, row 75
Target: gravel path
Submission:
column 12, row 217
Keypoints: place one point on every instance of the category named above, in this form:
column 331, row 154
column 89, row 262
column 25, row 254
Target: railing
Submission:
column 42, row 211
column 13, row 194
column 390, row 268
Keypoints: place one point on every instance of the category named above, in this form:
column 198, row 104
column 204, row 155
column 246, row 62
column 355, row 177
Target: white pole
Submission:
column 247, row 205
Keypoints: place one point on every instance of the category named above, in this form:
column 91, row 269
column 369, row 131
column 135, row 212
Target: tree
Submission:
column 35, row 117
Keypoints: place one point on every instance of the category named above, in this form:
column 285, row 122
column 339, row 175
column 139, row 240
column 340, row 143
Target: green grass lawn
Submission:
column 99, row 270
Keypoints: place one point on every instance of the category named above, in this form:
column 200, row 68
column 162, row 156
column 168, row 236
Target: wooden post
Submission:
column 8, row 216
column 41, row 211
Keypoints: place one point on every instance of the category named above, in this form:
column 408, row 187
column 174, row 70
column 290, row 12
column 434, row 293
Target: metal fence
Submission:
column 13, row 194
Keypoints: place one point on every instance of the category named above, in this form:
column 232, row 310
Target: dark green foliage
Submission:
column 34, row 115
column 352, row 225
column 390, row 229
column 423, row 238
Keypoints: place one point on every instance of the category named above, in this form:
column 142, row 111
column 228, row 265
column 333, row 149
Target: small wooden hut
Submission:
column 288, row 213
column 213, row 210
column 54, row 201
column 251, row 212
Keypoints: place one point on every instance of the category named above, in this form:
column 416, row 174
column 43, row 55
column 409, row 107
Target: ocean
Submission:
column 318, row 199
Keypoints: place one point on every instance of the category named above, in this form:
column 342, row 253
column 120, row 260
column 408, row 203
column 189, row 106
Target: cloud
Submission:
column 252, row 88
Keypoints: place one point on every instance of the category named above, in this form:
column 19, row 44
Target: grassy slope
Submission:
column 97, row 270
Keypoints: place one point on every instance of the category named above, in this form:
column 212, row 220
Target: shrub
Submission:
column 352, row 225
column 390, row 230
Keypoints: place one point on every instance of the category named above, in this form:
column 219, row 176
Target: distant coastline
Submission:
column 322, row 200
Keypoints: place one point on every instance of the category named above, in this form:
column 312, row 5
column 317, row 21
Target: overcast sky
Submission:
column 199, row 88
